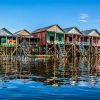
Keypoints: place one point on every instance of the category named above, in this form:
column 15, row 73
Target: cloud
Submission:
column 83, row 20
column 83, row 17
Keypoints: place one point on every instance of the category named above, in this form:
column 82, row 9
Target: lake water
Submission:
column 74, row 79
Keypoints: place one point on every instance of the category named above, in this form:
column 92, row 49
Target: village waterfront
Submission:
column 50, row 63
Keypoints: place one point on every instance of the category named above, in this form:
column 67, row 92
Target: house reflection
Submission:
column 72, row 72
column 81, row 72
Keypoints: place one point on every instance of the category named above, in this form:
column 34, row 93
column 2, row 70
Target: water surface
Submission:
column 74, row 79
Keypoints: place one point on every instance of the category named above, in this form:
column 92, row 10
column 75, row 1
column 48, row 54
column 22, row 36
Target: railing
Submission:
column 96, row 44
column 72, row 42
column 77, row 43
column 59, row 42
column 8, row 45
column 85, row 43
column 81, row 43
column 56, row 42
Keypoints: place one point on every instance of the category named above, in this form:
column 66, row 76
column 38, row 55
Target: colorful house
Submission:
column 72, row 35
column 91, row 37
column 7, row 38
column 25, row 36
column 50, row 35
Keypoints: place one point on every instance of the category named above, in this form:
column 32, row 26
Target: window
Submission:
column 70, row 39
column 51, row 38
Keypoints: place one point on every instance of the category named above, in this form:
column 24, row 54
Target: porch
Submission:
column 72, row 39
column 8, row 41
column 54, row 38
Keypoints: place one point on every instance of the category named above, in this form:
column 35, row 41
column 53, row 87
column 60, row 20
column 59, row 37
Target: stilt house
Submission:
column 25, row 36
column 91, row 37
column 72, row 35
column 50, row 35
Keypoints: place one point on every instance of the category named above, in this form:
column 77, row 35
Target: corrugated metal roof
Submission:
column 87, row 32
column 22, row 32
column 5, row 32
column 42, row 29
column 46, row 28
column 66, row 30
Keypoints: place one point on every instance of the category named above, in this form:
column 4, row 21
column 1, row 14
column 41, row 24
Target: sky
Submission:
column 32, row 14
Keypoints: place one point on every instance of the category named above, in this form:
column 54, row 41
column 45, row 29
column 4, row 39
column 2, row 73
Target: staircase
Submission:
column 25, row 48
column 98, row 50
column 82, row 49
column 62, row 51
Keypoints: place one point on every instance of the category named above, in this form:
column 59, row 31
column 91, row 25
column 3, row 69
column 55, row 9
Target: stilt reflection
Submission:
column 74, row 71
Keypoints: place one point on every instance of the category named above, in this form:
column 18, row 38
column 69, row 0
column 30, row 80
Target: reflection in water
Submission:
column 73, row 72
column 56, row 73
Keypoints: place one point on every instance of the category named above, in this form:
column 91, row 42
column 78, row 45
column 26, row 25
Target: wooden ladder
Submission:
column 62, row 50
column 82, row 49
column 25, row 48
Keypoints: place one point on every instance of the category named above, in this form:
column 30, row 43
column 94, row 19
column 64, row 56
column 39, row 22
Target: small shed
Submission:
column 53, row 34
column 72, row 35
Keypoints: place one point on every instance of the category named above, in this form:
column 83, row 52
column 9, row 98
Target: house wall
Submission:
column 98, row 41
column 66, row 39
column 3, row 41
column 95, row 41
column 42, row 37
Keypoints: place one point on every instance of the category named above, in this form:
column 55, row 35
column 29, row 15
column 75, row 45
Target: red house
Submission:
column 50, row 35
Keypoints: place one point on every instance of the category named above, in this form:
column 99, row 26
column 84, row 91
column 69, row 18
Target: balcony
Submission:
column 85, row 43
column 73, row 42
column 59, row 42
column 96, row 44
column 56, row 42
